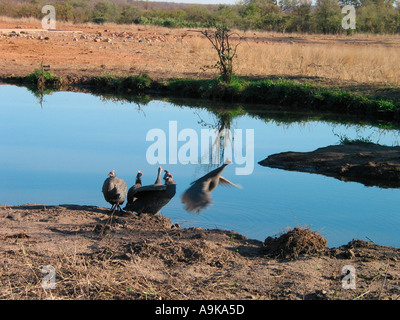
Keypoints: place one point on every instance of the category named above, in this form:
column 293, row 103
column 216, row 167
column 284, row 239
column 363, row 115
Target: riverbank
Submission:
column 300, row 72
column 150, row 258
column 292, row 95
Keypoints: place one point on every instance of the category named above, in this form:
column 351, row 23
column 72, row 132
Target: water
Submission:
column 61, row 152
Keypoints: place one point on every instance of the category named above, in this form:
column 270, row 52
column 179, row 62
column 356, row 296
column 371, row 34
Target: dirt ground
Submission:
column 76, row 51
column 94, row 50
column 147, row 257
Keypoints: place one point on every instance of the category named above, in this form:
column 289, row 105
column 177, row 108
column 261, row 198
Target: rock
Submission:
column 349, row 254
column 367, row 163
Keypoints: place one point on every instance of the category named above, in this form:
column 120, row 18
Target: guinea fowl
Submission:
column 198, row 196
column 152, row 198
column 114, row 191
column 138, row 184
column 132, row 189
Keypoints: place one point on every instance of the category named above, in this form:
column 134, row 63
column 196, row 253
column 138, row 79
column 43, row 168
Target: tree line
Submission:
column 305, row 16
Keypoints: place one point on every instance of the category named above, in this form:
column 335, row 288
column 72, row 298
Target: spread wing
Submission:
column 198, row 196
column 214, row 173
column 225, row 182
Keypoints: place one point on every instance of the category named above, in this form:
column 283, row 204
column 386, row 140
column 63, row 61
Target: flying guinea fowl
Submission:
column 198, row 196
column 137, row 185
column 152, row 198
column 114, row 191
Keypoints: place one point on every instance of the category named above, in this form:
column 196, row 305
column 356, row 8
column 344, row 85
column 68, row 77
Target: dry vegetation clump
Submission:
column 293, row 243
column 99, row 275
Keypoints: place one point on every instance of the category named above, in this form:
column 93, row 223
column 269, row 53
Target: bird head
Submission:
column 139, row 174
column 112, row 173
column 228, row 161
column 167, row 175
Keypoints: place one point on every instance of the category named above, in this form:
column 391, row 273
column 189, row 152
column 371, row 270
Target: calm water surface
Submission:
column 61, row 152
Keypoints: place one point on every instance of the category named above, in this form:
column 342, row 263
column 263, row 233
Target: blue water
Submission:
column 62, row 151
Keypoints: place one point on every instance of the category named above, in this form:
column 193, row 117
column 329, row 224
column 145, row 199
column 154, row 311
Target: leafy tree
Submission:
column 328, row 16
column 354, row 3
column 301, row 17
column 105, row 11
column 81, row 11
column 129, row 14
column 378, row 16
column 322, row 16
column 64, row 11
column 198, row 13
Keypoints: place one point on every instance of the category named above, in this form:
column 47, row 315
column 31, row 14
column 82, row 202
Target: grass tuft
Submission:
column 293, row 95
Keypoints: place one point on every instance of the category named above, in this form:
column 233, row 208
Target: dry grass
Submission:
column 333, row 61
column 95, row 276
column 360, row 58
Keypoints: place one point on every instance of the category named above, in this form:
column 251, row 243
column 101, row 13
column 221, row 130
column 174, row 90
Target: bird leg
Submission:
column 114, row 207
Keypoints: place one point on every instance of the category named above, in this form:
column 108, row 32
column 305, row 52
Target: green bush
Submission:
column 322, row 16
column 40, row 74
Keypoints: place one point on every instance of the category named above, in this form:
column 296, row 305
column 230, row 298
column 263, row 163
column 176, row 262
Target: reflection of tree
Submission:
column 139, row 101
column 221, row 147
column 365, row 134
column 40, row 93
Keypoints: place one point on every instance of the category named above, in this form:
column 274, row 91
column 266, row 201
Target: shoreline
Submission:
column 172, row 62
column 294, row 96
column 150, row 258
